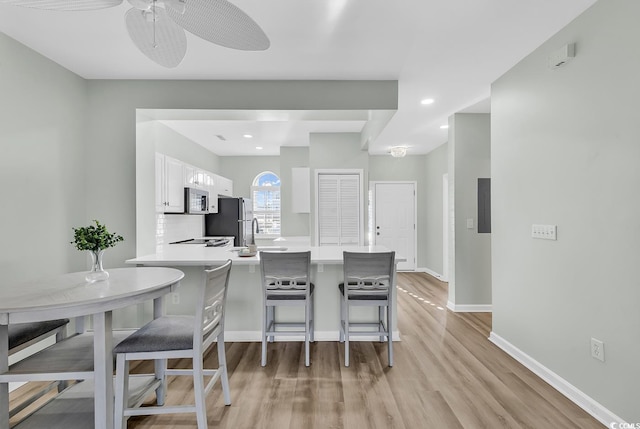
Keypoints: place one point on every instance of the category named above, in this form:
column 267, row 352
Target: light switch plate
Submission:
column 545, row 232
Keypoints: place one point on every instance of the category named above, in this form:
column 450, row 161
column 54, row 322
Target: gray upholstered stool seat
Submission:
column 363, row 296
column 292, row 296
column 163, row 333
column 22, row 333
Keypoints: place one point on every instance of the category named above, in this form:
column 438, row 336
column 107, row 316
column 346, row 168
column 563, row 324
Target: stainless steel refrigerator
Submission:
column 232, row 220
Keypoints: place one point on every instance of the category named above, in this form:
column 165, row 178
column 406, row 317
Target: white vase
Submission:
column 97, row 273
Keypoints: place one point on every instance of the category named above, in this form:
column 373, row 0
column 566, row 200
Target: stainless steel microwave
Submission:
column 196, row 201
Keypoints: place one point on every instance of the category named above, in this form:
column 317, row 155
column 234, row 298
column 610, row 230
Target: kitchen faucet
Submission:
column 255, row 226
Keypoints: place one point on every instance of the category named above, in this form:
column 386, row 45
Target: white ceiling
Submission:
column 448, row 50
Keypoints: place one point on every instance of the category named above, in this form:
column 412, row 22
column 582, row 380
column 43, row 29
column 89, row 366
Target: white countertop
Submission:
column 198, row 255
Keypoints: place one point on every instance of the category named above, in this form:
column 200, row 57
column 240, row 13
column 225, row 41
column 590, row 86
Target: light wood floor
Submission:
column 446, row 375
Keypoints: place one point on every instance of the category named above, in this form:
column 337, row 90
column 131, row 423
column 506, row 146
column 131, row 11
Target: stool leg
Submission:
column 346, row 333
column 122, row 390
column 341, row 330
column 160, row 370
column 381, row 321
column 313, row 318
column 390, row 333
column 222, row 366
column 265, row 322
column 198, row 391
column 307, row 332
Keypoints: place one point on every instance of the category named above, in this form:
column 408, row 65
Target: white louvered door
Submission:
column 339, row 208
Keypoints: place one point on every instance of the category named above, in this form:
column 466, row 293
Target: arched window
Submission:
column 265, row 194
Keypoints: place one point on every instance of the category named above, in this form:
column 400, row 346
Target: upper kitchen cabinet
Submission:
column 173, row 175
column 210, row 185
column 224, row 186
column 195, row 177
column 169, row 185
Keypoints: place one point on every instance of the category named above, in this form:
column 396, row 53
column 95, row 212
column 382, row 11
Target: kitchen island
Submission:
column 244, row 300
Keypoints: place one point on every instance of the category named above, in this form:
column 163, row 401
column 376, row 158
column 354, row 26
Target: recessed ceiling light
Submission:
column 247, row 136
column 259, row 147
column 444, row 127
column 427, row 101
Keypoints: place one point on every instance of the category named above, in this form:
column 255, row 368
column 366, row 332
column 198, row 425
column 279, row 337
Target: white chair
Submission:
column 369, row 279
column 178, row 337
column 286, row 281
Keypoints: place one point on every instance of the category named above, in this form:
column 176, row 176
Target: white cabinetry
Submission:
column 210, row 185
column 173, row 175
column 224, row 186
column 194, row 177
column 189, row 175
column 169, row 185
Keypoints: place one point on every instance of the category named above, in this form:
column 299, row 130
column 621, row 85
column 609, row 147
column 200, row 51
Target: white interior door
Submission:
column 395, row 220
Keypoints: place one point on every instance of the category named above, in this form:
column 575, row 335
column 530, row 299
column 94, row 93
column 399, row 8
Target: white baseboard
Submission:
column 15, row 384
column 431, row 273
column 471, row 308
column 255, row 336
column 581, row 399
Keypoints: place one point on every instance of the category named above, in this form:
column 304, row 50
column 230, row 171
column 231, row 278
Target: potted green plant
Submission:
column 96, row 239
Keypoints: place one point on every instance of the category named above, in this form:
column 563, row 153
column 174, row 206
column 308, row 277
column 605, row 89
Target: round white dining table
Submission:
column 70, row 295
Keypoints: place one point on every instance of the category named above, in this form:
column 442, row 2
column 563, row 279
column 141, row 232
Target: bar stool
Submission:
column 286, row 281
column 178, row 337
column 369, row 279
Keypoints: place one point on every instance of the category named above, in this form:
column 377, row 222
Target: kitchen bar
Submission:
column 244, row 300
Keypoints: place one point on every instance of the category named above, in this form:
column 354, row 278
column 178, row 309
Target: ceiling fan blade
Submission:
column 222, row 23
column 166, row 46
column 64, row 5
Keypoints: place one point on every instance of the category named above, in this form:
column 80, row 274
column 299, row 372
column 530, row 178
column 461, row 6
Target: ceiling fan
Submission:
column 157, row 27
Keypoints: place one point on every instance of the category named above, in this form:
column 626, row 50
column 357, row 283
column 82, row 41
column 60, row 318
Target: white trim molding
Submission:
column 575, row 395
column 470, row 308
column 431, row 273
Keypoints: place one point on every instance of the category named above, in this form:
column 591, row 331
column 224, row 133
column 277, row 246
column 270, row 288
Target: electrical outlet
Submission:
column 175, row 298
column 320, row 268
column 597, row 349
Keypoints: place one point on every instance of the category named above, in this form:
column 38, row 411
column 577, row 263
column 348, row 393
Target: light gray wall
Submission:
column 174, row 144
column 323, row 154
column 111, row 128
column 409, row 168
column 293, row 224
column 565, row 152
column 243, row 169
column 42, row 170
column 469, row 156
column 436, row 165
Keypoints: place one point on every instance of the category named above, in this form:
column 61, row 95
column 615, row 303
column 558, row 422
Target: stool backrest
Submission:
column 367, row 273
column 211, row 302
column 285, row 272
